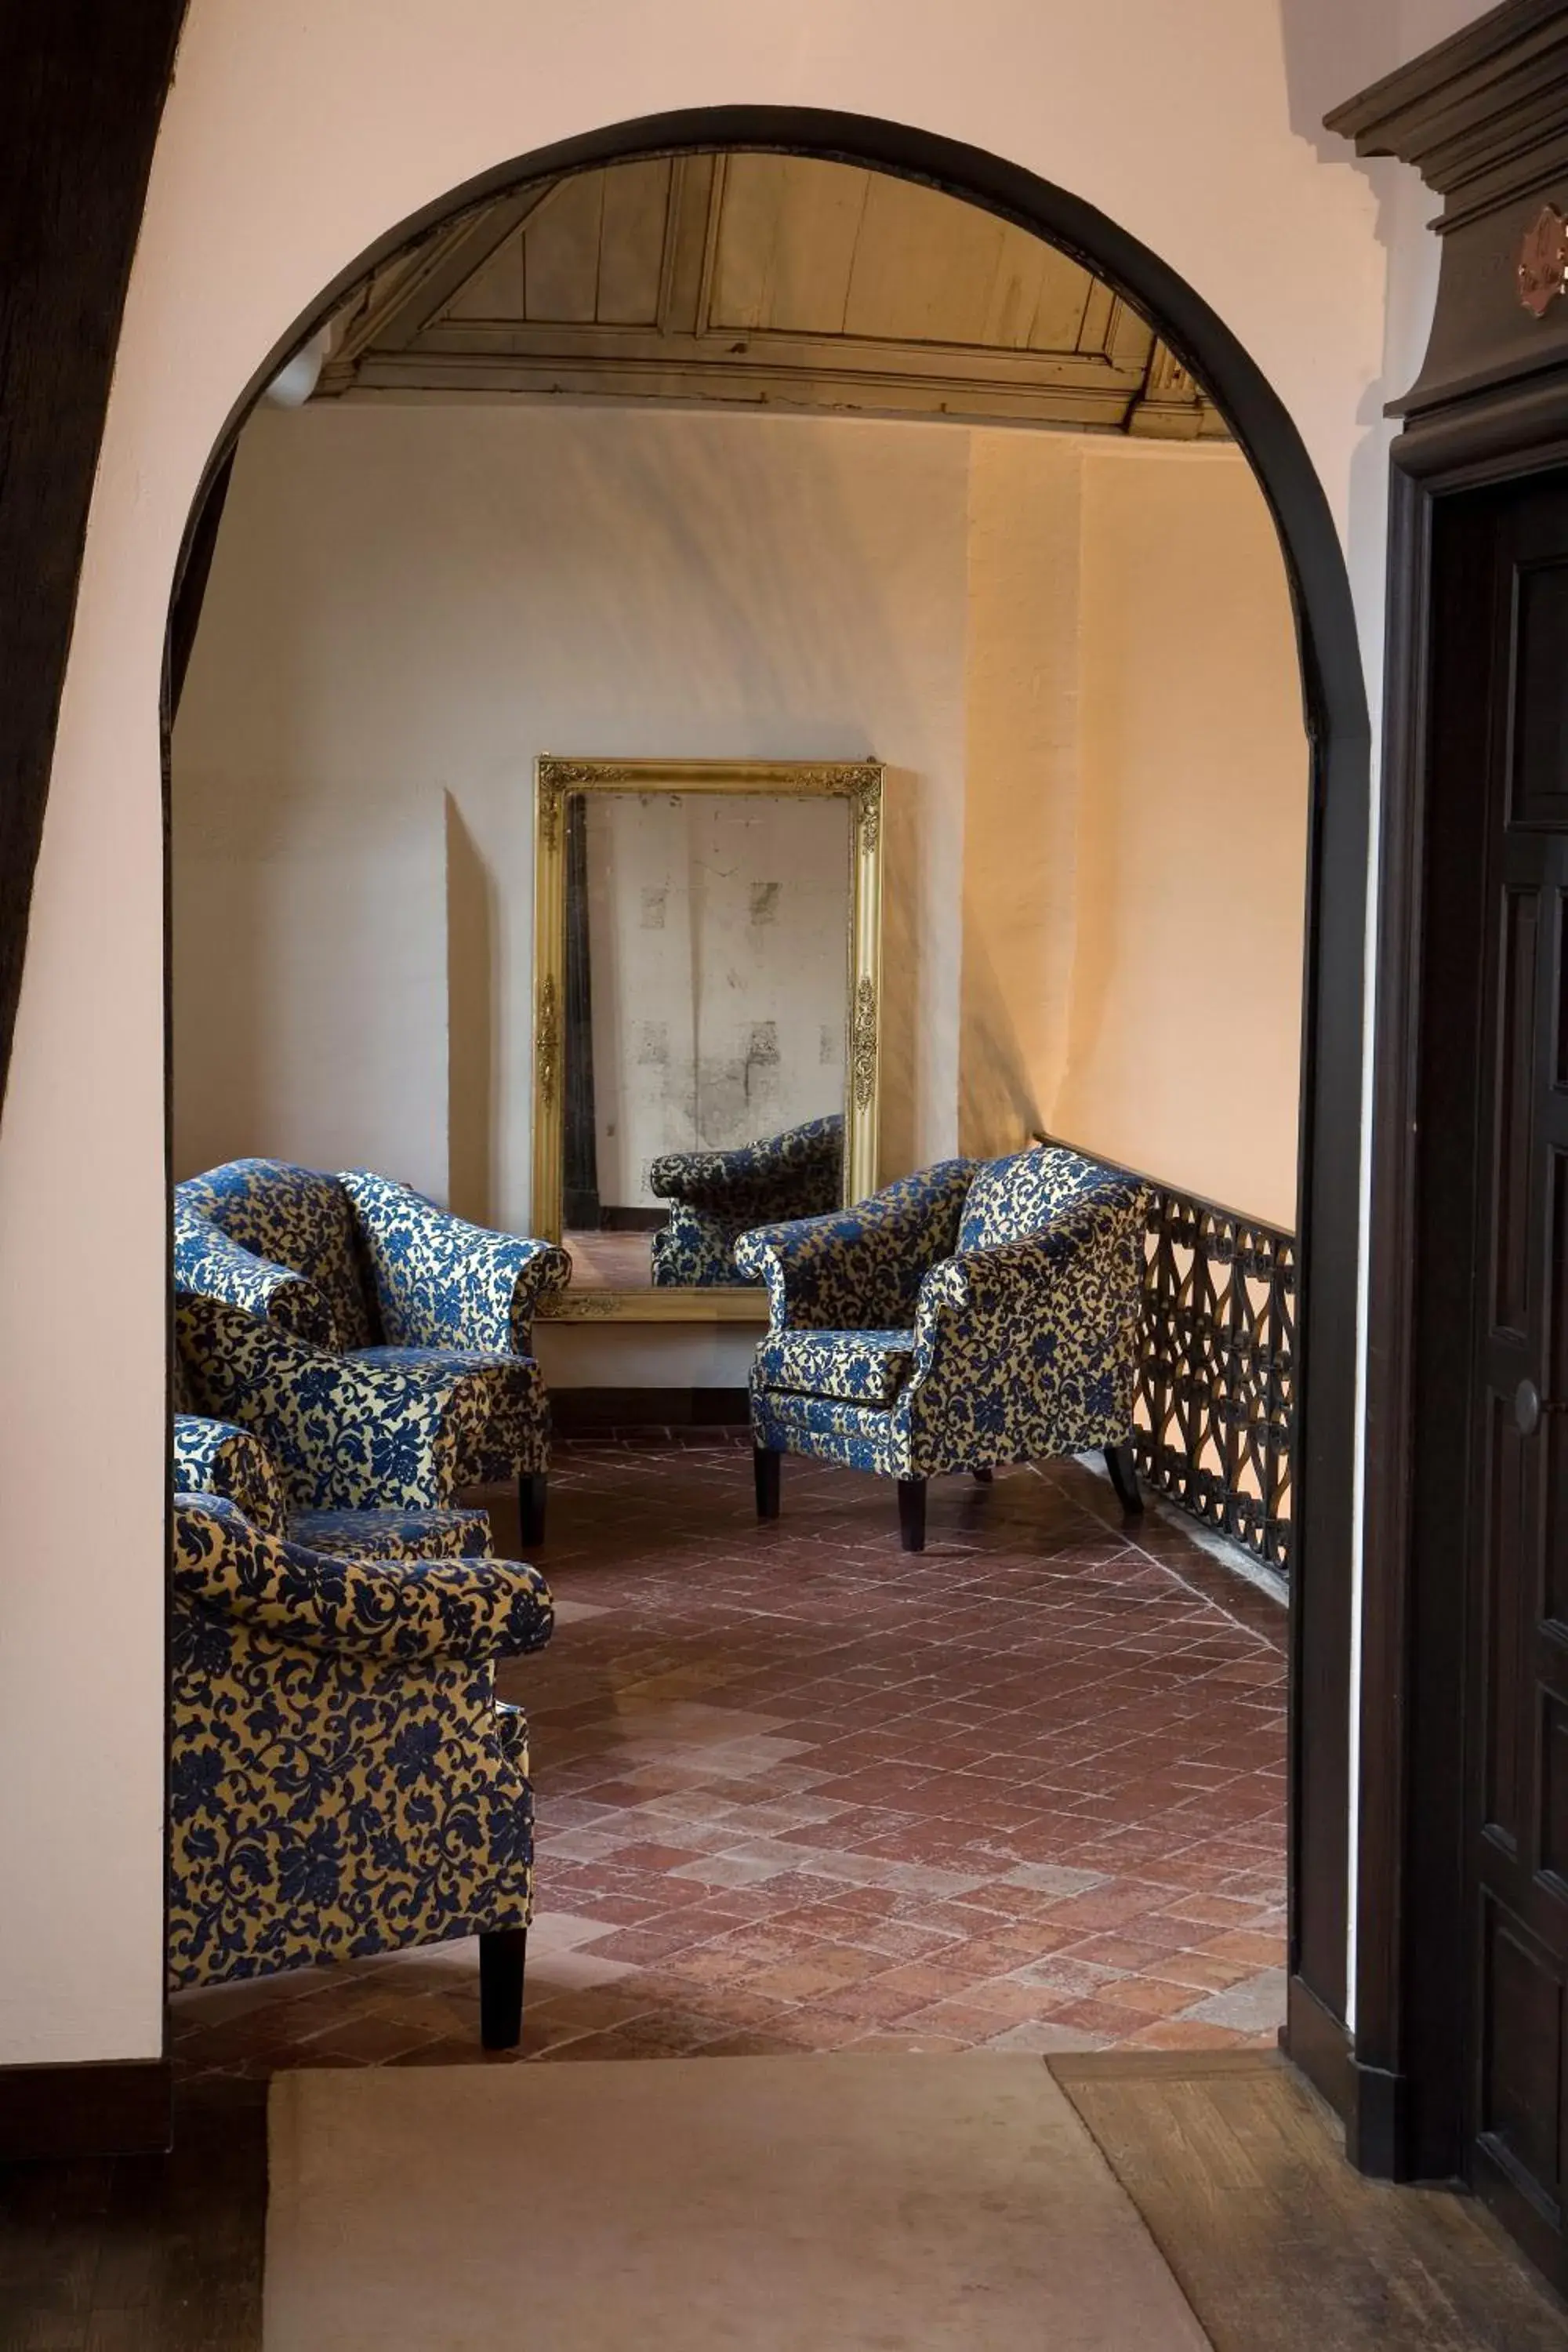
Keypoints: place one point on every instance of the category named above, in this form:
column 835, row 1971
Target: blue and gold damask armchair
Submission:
column 355, row 1433
column 374, row 1273
column 979, row 1312
column 218, row 1458
column 343, row 1780
column 715, row 1197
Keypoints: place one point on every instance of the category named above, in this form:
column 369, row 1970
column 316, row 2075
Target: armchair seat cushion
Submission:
column 450, row 1534
column 855, row 1367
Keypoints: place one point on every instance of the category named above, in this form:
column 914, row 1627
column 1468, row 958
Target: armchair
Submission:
column 216, row 1457
column 979, row 1312
column 716, row 1195
column 343, row 1780
column 375, row 1274
column 363, row 1432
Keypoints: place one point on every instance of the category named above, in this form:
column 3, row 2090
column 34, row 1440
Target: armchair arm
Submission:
column 348, row 1435
column 205, row 1259
column 441, row 1282
column 217, row 1457
column 1034, row 1343
column 405, row 1609
column 794, row 1174
column 860, row 1268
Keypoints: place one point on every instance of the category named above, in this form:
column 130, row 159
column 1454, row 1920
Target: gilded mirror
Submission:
column 707, row 1001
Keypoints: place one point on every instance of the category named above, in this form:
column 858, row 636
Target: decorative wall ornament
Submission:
column 1215, row 1426
column 547, row 1041
column 1543, row 261
column 863, row 1045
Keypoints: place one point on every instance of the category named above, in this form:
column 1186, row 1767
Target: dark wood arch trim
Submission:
column 84, row 90
column 1337, row 724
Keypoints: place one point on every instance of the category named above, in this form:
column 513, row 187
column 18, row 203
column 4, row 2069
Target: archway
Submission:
column 1337, row 728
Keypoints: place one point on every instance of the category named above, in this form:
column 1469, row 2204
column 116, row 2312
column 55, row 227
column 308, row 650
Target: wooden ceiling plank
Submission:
column 632, row 241
column 446, row 266
column 561, row 254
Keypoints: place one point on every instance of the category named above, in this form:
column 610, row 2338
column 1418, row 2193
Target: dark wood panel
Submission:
column 142, row 2253
column 586, row 1413
column 81, row 92
column 1277, row 2244
column 1516, row 1057
column 1505, row 1476
column 1552, row 1834
column 1521, row 2060
column 1539, row 761
column 98, row 2110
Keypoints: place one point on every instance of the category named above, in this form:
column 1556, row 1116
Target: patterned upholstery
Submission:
column 1023, row 1342
column 356, row 1261
column 861, row 1367
column 718, row 1195
column 353, row 1432
column 1010, row 1198
column 860, row 1269
column 214, row 1457
column 341, row 1780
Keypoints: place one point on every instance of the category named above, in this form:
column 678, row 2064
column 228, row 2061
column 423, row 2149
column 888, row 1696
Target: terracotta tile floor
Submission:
column 799, row 1791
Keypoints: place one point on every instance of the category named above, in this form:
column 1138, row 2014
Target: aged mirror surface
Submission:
column 705, row 1018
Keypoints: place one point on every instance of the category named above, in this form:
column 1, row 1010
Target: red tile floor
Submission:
column 800, row 1790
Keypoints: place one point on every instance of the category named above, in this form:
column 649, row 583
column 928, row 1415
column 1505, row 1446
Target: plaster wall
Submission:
column 293, row 139
column 409, row 603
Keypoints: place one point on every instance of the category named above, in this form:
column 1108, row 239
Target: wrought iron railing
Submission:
column 1215, row 1410
column 1215, row 1414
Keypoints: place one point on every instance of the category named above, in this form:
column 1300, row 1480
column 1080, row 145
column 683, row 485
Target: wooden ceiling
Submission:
column 763, row 281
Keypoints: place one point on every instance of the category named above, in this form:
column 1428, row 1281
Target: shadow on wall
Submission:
column 899, row 1076
column 470, row 1023
column 998, row 1108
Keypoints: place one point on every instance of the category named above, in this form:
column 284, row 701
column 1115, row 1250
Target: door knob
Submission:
column 1527, row 1408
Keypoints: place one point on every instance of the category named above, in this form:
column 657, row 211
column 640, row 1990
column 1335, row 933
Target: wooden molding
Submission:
column 584, row 1412
column 1484, row 119
column 1318, row 2042
column 658, row 283
column 121, row 2108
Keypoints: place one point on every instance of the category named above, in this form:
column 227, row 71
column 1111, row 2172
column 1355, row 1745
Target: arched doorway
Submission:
column 1337, row 725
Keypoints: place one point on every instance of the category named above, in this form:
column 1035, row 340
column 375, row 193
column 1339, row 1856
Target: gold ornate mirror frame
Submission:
column 860, row 784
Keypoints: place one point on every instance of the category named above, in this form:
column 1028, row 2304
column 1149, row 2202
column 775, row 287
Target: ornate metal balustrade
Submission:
column 1216, row 1384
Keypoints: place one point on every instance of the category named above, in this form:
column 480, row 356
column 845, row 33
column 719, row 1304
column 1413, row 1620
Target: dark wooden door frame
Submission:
column 1484, row 118
column 1409, row 1989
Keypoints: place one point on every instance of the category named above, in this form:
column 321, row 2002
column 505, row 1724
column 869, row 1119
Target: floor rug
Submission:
column 847, row 2203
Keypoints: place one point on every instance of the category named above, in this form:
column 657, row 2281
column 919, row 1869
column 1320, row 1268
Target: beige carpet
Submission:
column 873, row 2203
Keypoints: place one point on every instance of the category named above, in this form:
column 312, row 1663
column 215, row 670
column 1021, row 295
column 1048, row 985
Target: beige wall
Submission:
column 1078, row 656
column 293, row 138
column 1135, row 824
column 408, row 605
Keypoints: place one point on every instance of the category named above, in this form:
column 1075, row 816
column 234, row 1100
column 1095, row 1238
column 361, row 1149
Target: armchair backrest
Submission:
column 799, row 1173
column 1008, row 1199
column 288, row 1216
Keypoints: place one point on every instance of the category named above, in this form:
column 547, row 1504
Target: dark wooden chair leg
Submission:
column 1124, row 1479
column 531, row 1494
column 981, row 1473
column 765, row 1465
column 502, row 1956
column 912, row 1514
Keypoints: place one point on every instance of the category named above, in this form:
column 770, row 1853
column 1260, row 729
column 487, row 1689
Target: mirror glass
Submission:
column 705, row 1030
